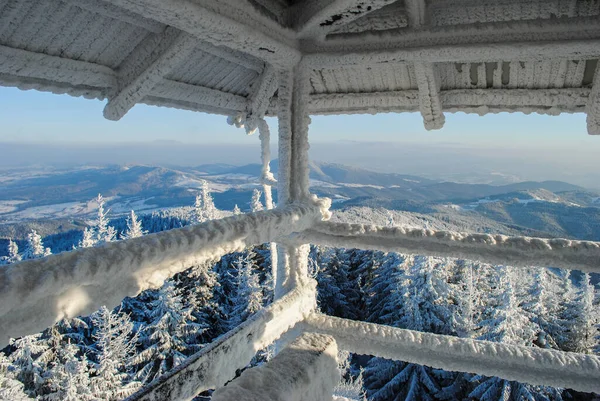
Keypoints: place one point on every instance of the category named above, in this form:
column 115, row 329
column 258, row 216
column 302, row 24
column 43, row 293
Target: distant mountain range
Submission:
column 551, row 208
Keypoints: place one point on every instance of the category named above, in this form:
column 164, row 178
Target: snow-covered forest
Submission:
column 110, row 354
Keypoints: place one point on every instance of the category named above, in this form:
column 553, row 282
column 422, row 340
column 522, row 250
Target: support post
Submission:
column 593, row 106
column 293, row 183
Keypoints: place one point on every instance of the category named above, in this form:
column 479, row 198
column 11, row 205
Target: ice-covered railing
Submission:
column 511, row 362
column 490, row 248
column 216, row 364
column 35, row 294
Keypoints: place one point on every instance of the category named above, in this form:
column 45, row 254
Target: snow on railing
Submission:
column 35, row 294
column 511, row 362
column 495, row 249
column 216, row 364
column 305, row 370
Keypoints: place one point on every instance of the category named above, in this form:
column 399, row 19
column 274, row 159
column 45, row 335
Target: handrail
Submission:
column 536, row 366
column 35, row 294
column 495, row 249
column 216, row 364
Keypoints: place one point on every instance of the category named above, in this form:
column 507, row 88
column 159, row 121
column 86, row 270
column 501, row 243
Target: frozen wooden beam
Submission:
column 49, row 70
column 593, row 105
column 108, row 10
column 218, row 362
column 316, row 18
column 571, row 38
column 221, row 24
column 429, row 95
column 146, row 66
column 306, row 370
column 460, row 12
column 415, row 10
column 260, row 97
column 241, row 59
column 477, row 52
column 531, row 365
column 488, row 248
column 178, row 91
column 36, row 294
column 478, row 101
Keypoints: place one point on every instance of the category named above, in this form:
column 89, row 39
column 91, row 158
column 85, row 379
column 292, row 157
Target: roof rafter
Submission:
column 108, row 10
column 53, row 71
column 197, row 97
column 270, row 43
column 316, row 18
column 146, row 66
column 593, row 106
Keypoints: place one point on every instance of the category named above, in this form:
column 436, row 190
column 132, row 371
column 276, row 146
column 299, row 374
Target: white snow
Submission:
column 306, row 370
column 495, row 249
column 35, row 294
column 216, row 364
column 525, row 364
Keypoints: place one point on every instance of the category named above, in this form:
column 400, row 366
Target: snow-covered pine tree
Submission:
column 236, row 210
column 540, row 303
column 13, row 252
column 582, row 319
column 204, row 206
column 11, row 389
column 134, row 227
column 418, row 300
column 332, row 280
column 34, row 248
column 249, row 296
column 103, row 232
column 507, row 322
column 255, row 204
column 69, row 379
column 171, row 336
column 29, row 360
column 88, row 239
column 114, row 346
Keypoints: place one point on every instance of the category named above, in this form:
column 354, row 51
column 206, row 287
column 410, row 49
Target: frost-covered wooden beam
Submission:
column 525, row 364
column 316, row 18
column 259, row 100
column 545, row 101
column 369, row 103
column 429, row 95
column 146, row 66
column 507, row 32
column 306, row 370
column 35, row 294
column 193, row 94
column 49, row 71
column 216, row 364
column 415, row 10
column 480, row 101
column 110, row 11
column 593, row 105
column 495, row 249
column 480, row 11
column 241, row 59
column 489, row 52
column 211, row 21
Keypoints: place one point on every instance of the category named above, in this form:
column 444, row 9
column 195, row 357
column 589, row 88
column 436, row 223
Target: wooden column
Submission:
column 293, row 182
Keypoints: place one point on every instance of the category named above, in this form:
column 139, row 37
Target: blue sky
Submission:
column 30, row 116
